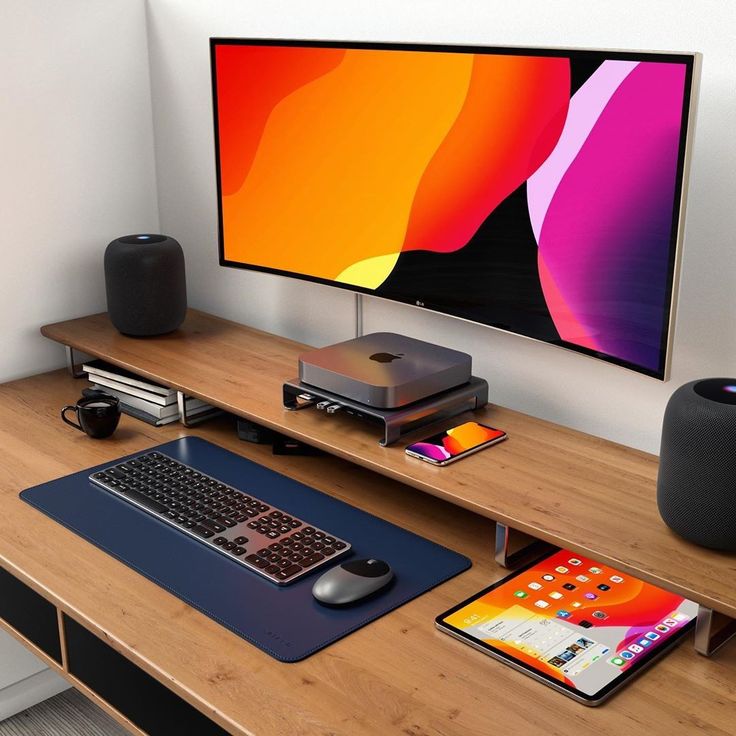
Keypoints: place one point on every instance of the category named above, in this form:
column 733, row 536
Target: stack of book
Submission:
column 139, row 397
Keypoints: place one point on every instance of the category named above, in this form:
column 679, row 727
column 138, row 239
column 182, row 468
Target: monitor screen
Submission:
column 536, row 191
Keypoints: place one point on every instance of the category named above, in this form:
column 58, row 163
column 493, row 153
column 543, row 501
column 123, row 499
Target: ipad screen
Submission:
column 574, row 620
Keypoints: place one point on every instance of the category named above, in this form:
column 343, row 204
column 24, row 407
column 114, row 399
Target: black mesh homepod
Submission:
column 696, row 487
column 146, row 284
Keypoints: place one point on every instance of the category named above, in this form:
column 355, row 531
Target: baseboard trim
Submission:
column 30, row 691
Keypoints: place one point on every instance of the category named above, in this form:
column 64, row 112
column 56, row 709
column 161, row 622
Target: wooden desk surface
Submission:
column 397, row 675
column 568, row 488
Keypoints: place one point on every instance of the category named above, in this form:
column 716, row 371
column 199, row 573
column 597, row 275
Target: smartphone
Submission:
column 465, row 439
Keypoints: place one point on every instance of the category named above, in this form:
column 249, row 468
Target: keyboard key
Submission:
column 339, row 545
column 149, row 503
column 296, row 557
column 239, row 551
column 295, row 523
column 318, row 546
column 224, row 520
column 312, row 559
column 257, row 561
column 275, row 514
column 213, row 525
column 240, row 540
column 276, row 547
column 203, row 531
column 329, row 551
column 329, row 540
column 318, row 535
column 272, row 534
column 229, row 545
column 288, row 572
column 271, row 569
column 309, row 530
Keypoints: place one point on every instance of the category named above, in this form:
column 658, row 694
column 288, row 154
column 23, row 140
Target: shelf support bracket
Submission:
column 514, row 548
column 712, row 631
column 74, row 368
column 187, row 421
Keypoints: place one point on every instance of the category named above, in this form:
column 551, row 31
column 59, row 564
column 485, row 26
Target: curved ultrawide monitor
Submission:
column 536, row 191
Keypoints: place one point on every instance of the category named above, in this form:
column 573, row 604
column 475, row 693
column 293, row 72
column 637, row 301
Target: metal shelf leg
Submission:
column 514, row 548
column 712, row 631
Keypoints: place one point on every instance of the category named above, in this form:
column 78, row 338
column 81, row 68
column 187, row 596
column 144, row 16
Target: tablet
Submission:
column 577, row 625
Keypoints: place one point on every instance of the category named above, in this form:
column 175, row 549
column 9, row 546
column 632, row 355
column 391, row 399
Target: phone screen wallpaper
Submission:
column 455, row 441
column 575, row 620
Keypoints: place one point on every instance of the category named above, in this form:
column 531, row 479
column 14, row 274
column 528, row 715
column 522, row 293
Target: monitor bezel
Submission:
column 692, row 61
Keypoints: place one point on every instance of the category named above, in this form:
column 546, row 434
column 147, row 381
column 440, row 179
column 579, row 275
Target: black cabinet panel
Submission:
column 133, row 692
column 30, row 614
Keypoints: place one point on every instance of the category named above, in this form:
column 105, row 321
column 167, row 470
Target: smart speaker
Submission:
column 146, row 284
column 696, row 487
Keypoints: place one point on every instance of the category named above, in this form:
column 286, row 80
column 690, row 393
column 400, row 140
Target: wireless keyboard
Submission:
column 263, row 538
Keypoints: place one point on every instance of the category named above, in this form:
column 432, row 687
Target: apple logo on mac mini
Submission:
column 386, row 357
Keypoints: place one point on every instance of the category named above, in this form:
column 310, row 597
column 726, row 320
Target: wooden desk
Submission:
column 559, row 485
column 396, row 676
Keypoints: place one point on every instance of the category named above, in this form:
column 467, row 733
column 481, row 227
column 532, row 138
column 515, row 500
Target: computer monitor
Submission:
column 537, row 191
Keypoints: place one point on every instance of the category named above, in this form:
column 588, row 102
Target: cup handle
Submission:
column 69, row 421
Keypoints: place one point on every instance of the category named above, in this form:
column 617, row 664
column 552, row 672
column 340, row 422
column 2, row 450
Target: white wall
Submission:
column 76, row 146
column 567, row 388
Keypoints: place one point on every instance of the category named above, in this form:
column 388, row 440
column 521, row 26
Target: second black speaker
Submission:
column 696, row 487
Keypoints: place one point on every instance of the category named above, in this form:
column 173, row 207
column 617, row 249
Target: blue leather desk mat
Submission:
column 285, row 622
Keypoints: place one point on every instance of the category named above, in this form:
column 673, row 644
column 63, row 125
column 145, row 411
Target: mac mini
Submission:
column 385, row 370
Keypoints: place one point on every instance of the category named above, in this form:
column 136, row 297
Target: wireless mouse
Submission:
column 351, row 581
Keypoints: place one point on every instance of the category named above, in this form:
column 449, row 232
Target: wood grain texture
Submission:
column 398, row 675
column 571, row 489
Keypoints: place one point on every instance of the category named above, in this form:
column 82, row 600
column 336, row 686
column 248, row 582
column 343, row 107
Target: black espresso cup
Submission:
column 98, row 415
